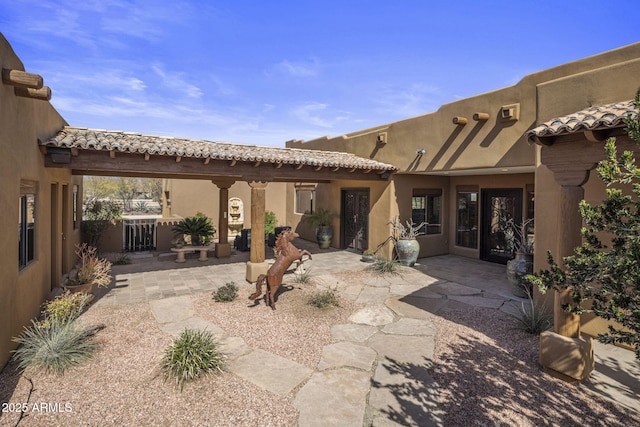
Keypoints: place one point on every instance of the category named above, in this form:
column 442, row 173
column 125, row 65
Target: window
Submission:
column 75, row 207
column 426, row 206
column 467, row 218
column 26, row 223
column 305, row 195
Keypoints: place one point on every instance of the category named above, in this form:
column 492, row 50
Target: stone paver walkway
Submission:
column 376, row 370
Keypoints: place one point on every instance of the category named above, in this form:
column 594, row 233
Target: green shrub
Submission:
column 193, row 354
column 324, row 299
column 383, row 266
column 56, row 347
column 64, row 308
column 122, row 259
column 226, row 293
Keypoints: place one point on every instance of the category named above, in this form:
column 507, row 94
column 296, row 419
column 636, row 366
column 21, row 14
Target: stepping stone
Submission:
column 172, row 309
column 479, row 301
column 417, row 308
column 351, row 332
column 453, row 288
column 269, row 371
column 404, row 394
column 333, row 398
column 175, row 328
column 406, row 326
column 370, row 295
column 347, row 354
column 234, row 347
column 403, row 348
column 374, row 315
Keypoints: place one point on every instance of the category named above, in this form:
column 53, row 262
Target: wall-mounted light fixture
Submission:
column 457, row 120
column 421, row 151
column 382, row 138
column 510, row 112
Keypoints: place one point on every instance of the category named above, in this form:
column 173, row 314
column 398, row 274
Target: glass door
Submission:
column 500, row 207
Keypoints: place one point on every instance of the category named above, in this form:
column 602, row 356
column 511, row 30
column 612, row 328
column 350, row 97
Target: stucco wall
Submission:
column 22, row 122
column 189, row 197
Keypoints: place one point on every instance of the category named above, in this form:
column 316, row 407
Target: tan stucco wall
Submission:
column 22, row 122
column 189, row 197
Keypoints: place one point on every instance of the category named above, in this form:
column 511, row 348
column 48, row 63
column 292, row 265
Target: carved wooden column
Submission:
column 257, row 264
column 223, row 248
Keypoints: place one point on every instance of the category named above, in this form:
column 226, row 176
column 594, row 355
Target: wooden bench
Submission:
column 203, row 252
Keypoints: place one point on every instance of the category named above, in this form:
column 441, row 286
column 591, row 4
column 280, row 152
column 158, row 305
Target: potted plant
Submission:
column 321, row 220
column 199, row 229
column 270, row 224
column 522, row 264
column 404, row 236
column 368, row 256
column 90, row 270
column 178, row 242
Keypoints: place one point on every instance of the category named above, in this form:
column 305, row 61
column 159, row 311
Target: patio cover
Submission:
column 118, row 153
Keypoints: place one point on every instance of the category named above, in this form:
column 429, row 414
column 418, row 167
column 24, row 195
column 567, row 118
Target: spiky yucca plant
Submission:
column 383, row 265
column 55, row 348
column 198, row 227
column 193, row 354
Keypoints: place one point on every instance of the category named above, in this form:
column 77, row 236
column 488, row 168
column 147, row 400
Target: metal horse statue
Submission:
column 286, row 254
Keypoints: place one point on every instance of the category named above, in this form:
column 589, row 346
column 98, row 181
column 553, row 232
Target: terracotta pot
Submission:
column 407, row 250
column 518, row 267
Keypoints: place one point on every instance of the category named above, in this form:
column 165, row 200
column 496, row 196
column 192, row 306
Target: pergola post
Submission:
column 256, row 264
column 223, row 248
column 564, row 352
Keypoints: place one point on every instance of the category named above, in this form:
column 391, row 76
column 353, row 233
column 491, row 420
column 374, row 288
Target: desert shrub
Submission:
column 383, row 266
column 303, row 277
column 533, row 317
column 226, row 293
column 324, row 299
column 56, row 347
column 64, row 308
column 193, row 354
column 122, row 259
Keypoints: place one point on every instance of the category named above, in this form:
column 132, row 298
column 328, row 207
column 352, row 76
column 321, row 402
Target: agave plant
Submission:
column 198, row 227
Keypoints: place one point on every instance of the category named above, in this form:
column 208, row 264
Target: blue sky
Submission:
column 263, row 72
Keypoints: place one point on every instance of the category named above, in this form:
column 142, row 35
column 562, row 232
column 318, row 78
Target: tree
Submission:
column 605, row 269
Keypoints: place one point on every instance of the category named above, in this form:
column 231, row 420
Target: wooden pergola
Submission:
column 117, row 153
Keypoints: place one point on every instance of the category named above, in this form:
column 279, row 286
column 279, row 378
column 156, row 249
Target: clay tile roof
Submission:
column 130, row 142
column 592, row 118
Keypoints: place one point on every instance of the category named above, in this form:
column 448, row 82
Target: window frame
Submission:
column 300, row 188
column 27, row 210
column 429, row 198
column 473, row 228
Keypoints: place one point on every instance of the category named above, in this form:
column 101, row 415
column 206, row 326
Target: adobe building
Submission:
column 44, row 201
column 525, row 151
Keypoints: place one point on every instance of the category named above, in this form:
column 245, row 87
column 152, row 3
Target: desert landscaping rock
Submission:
column 271, row 372
column 417, row 308
column 347, row 354
column 370, row 295
column 175, row 328
column 352, row 332
column 402, row 348
column 172, row 309
column 333, row 398
column 374, row 315
column 234, row 347
column 407, row 326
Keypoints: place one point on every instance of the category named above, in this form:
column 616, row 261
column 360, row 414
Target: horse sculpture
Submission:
column 286, row 254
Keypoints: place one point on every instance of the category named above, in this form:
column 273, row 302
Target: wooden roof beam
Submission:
column 21, row 79
column 42, row 94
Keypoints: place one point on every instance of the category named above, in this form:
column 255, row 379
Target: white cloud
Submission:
column 319, row 114
column 410, row 101
column 299, row 69
column 177, row 81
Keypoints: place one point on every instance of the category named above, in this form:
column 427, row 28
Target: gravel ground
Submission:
column 487, row 371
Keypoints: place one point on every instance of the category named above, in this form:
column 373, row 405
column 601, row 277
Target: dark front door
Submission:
column 500, row 207
column 355, row 219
